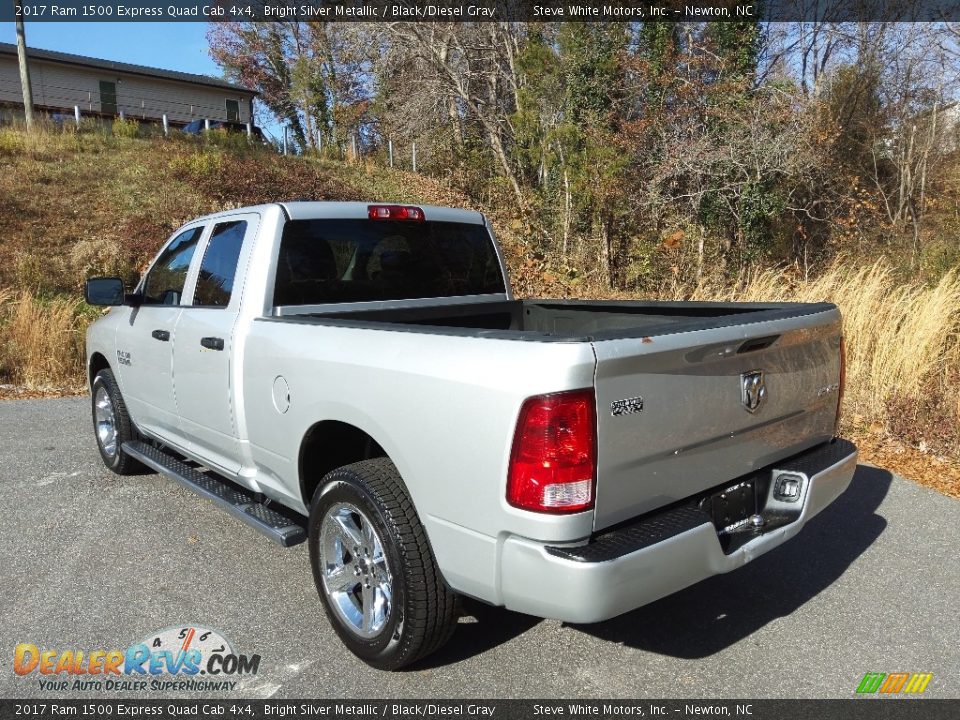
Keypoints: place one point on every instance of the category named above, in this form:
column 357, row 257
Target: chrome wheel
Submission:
column 356, row 575
column 105, row 422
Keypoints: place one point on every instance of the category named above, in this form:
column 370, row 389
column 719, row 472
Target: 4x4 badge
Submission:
column 753, row 389
column 627, row 406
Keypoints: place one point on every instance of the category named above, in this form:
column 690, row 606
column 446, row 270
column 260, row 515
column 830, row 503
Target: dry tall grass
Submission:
column 41, row 342
column 902, row 339
column 903, row 344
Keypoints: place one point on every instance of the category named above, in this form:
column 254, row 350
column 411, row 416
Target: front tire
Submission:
column 374, row 568
column 112, row 425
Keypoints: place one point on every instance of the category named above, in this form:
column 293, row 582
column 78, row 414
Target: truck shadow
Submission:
column 482, row 627
column 722, row 610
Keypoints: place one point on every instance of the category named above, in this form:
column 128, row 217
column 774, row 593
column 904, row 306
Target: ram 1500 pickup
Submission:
column 360, row 377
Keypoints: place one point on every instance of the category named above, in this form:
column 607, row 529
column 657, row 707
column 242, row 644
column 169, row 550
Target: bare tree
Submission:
column 473, row 72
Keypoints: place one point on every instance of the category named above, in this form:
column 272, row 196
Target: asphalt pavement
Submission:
column 92, row 561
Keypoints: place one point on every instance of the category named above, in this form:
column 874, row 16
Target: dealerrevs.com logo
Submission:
column 178, row 658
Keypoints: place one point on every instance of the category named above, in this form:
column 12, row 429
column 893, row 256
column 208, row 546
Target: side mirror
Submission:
column 104, row 291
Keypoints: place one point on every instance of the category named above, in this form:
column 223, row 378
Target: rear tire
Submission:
column 374, row 568
column 112, row 425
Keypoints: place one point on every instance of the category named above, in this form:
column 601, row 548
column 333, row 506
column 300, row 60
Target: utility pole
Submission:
column 24, row 72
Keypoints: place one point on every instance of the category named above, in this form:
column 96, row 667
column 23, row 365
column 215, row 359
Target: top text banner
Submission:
column 483, row 10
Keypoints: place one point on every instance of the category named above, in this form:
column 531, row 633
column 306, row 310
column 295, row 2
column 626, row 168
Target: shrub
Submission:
column 221, row 138
column 92, row 257
column 202, row 166
column 11, row 142
column 126, row 128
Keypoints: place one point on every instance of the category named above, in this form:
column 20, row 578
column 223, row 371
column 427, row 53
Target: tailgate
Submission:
column 679, row 414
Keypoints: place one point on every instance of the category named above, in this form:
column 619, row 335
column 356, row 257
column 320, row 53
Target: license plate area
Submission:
column 732, row 511
column 753, row 505
column 732, row 507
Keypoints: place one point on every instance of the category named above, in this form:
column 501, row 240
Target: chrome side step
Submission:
column 236, row 500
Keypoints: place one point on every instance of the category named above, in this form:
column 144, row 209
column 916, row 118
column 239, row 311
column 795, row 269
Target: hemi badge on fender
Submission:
column 627, row 406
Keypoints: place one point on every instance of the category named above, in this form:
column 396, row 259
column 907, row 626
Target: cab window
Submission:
column 164, row 284
column 219, row 267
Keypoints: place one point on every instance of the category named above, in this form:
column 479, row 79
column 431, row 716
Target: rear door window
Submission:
column 331, row 261
column 164, row 283
column 219, row 267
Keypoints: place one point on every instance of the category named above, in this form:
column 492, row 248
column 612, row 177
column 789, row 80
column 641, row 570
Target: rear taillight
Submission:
column 554, row 458
column 395, row 212
column 842, row 384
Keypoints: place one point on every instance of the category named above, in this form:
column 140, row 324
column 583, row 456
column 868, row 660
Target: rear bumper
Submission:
column 644, row 561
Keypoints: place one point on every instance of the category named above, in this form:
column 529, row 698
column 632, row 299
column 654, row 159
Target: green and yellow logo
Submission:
column 894, row 683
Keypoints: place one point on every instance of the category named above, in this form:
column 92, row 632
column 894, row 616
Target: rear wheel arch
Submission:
column 333, row 444
column 328, row 445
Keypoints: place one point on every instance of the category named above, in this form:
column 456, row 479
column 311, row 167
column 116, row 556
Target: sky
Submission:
column 172, row 46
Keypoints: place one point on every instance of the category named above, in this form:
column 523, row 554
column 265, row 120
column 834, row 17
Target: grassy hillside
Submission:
column 79, row 204
column 72, row 204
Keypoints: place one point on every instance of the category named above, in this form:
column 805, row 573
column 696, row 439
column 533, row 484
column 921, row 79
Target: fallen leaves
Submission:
column 939, row 473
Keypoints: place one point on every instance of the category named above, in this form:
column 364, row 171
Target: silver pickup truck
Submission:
column 359, row 377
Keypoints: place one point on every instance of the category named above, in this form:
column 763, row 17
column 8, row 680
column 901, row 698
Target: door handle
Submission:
column 212, row 343
column 162, row 335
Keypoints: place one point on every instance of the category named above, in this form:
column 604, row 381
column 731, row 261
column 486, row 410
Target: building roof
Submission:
column 120, row 67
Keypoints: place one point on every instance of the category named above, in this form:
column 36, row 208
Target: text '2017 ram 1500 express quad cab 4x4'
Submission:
column 361, row 378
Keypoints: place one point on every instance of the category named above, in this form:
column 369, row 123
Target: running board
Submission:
column 230, row 497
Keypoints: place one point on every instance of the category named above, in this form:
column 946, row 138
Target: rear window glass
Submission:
column 330, row 261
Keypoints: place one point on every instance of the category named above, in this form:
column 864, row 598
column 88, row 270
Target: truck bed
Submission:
column 557, row 320
column 680, row 366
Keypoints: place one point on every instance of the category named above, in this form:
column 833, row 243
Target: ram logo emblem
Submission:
column 753, row 390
